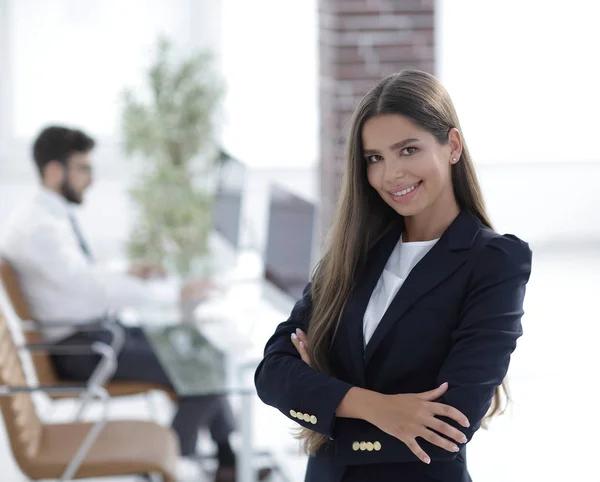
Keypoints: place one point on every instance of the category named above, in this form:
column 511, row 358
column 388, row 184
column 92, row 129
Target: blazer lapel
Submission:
column 448, row 254
column 352, row 321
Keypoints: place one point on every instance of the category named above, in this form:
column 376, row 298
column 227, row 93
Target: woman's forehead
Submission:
column 388, row 129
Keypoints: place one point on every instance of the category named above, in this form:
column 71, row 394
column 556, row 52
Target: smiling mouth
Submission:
column 406, row 191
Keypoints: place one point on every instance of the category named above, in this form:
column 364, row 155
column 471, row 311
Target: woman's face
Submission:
column 407, row 166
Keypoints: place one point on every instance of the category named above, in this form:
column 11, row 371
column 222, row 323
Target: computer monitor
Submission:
column 289, row 246
column 228, row 199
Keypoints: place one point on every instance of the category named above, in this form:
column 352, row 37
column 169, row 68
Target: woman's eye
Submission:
column 408, row 151
column 373, row 158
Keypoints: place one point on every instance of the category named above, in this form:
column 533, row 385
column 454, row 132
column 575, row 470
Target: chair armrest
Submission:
column 102, row 373
column 36, row 325
column 96, row 347
column 107, row 323
column 105, row 369
column 8, row 390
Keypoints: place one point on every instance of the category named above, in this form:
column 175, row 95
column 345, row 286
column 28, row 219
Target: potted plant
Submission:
column 171, row 130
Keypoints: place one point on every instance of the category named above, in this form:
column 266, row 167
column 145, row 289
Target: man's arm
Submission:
column 45, row 253
column 68, row 270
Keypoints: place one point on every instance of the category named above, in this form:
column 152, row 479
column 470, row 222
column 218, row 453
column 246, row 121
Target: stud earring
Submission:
column 454, row 159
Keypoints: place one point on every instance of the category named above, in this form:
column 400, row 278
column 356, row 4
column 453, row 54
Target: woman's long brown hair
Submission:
column 362, row 217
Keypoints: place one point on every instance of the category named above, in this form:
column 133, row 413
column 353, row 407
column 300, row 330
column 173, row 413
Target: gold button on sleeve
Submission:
column 370, row 446
column 363, row 446
column 300, row 415
column 356, row 446
column 293, row 413
column 306, row 417
column 313, row 420
column 377, row 446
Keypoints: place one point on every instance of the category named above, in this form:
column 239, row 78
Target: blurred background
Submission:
column 288, row 75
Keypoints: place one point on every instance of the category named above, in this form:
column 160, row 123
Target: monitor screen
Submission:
column 228, row 199
column 288, row 253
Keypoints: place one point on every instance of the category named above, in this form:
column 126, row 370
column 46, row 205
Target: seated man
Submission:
column 61, row 283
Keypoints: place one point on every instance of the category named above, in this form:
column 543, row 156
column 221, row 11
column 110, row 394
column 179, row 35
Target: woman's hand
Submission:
column 407, row 416
column 300, row 341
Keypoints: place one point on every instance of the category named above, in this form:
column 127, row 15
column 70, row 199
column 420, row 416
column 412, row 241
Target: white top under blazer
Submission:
column 403, row 259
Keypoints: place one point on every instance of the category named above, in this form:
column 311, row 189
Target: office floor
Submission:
column 549, row 432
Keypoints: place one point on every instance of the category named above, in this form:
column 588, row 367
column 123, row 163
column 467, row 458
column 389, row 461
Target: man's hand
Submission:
column 196, row 290
column 147, row 270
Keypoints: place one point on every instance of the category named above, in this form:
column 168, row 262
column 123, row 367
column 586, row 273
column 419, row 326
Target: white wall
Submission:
column 534, row 202
column 524, row 77
column 6, row 117
column 72, row 59
column 270, row 64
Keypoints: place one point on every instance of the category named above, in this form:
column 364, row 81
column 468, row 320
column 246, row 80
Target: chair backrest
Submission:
column 10, row 280
column 23, row 424
column 44, row 369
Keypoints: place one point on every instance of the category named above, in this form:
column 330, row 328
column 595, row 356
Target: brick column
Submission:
column 360, row 42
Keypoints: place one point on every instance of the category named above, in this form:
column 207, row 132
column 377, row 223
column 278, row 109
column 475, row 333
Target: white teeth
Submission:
column 405, row 191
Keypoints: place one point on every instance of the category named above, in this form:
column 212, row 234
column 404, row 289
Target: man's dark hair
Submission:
column 57, row 143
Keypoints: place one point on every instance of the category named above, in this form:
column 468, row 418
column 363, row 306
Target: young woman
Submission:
column 398, row 347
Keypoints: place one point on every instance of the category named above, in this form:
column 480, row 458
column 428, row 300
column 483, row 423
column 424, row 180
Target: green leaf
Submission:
column 169, row 128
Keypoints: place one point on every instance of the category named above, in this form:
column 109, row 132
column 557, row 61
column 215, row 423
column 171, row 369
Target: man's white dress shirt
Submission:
column 58, row 280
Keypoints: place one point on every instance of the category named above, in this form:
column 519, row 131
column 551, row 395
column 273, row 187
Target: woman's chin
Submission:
column 407, row 211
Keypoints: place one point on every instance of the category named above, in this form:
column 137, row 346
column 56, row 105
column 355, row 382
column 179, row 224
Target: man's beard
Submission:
column 70, row 194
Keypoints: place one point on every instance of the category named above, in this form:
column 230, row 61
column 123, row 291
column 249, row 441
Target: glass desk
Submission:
column 193, row 364
column 196, row 367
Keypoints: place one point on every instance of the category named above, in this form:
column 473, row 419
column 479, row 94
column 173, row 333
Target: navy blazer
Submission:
column 455, row 319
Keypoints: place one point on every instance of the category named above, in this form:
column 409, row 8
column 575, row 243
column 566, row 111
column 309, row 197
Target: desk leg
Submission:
column 244, row 463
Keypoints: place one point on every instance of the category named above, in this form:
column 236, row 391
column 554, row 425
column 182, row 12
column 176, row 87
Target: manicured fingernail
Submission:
column 298, row 331
column 455, row 448
column 427, row 460
column 463, row 440
column 294, row 336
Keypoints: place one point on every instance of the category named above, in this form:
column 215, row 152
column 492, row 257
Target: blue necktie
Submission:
column 84, row 246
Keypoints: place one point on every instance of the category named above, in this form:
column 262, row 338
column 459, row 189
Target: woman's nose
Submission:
column 394, row 170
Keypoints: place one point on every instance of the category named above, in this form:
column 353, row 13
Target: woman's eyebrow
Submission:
column 397, row 145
